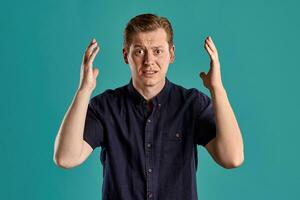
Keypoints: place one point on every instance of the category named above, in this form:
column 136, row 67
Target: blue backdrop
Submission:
column 42, row 43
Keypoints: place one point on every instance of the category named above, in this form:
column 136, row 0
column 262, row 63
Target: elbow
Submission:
column 234, row 163
column 62, row 163
column 58, row 162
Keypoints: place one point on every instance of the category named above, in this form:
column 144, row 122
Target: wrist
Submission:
column 84, row 91
column 217, row 90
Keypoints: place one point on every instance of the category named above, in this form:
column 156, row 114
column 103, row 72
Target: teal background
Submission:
column 42, row 43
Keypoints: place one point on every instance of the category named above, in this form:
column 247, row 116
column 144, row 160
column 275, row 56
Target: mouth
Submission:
column 149, row 72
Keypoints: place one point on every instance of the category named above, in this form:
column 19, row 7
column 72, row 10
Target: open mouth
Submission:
column 149, row 72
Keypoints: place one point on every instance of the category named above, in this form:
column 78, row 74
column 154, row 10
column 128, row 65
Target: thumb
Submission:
column 202, row 75
column 95, row 72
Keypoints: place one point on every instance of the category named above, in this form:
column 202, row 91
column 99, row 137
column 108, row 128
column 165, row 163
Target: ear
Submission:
column 125, row 54
column 172, row 54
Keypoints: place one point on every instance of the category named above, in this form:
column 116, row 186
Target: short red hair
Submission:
column 145, row 23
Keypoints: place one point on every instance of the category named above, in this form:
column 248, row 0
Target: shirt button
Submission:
column 149, row 120
column 149, row 145
column 150, row 195
column 149, row 170
column 159, row 105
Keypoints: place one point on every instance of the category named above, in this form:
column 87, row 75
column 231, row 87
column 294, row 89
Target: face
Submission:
column 149, row 57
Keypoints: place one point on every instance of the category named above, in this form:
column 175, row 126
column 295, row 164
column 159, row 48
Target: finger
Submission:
column 95, row 72
column 209, row 51
column 202, row 75
column 92, row 42
column 93, row 55
column 208, row 42
column 211, row 44
column 90, row 50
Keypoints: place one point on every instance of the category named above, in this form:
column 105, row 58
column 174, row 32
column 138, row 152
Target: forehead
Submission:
column 157, row 37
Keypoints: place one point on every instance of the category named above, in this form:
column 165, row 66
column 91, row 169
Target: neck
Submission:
column 148, row 92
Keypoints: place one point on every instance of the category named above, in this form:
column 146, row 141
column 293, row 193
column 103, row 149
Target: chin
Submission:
column 149, row 82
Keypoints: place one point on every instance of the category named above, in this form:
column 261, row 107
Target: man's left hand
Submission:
column 212, row 79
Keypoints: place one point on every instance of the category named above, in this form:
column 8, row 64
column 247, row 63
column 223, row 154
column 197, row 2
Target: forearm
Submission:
column 229, row 142
column 69, row 140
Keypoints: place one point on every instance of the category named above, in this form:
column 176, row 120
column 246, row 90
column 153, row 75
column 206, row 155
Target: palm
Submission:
column 213, row 78
column 88, row 74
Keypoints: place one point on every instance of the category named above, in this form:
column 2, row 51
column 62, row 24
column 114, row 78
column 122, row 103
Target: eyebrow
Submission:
column 154, row 47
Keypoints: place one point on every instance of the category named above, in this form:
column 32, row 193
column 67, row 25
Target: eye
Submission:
column 139, row 52
column 158, row 51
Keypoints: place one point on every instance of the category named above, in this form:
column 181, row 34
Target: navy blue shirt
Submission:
column 149, row 149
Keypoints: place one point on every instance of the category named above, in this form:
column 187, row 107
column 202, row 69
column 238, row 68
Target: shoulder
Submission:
column 194, row 97
column 109, row 97
column 191, row 93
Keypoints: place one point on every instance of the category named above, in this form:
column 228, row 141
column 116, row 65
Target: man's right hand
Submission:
column 88, row 74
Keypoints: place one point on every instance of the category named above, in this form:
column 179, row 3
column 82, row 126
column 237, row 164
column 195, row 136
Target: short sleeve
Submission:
column 93, row 128
column 205, row 128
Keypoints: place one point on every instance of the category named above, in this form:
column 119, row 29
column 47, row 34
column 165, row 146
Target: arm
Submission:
column 70, row 149
column 227, row 148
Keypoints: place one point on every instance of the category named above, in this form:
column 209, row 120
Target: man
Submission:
column 148, row 130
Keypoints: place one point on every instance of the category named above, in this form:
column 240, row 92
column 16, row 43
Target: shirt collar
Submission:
column 159, row 99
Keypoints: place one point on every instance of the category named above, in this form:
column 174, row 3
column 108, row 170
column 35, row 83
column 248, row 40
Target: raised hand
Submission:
column 212, row 79
column 88, row 74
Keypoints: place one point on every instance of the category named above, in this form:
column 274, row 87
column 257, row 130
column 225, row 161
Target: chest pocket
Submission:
column 172, row 147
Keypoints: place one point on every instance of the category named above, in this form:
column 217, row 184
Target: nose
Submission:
column 149, row 58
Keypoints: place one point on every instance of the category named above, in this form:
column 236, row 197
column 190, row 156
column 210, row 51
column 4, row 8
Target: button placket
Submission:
column 149, row 145
column 150, row 195
column 148, row 153
column 178, row 135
